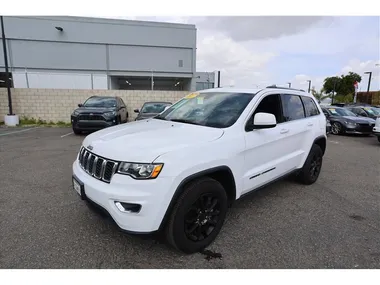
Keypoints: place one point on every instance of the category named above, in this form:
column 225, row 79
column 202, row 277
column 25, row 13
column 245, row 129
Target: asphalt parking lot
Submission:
column 334, row 223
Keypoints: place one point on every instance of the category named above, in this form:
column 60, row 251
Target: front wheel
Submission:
column 312, row 167
column 76, row 131
column 197, row 216
column 337, row 128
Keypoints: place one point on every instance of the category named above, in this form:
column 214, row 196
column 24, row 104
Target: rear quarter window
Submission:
column 311, row 108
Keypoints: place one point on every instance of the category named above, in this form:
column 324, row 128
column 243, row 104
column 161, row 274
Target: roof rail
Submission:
column 280, row 87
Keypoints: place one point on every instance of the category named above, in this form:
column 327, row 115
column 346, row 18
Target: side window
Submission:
column 270, row 104
column 311, row 108
column 361, row 112
column 292, row 107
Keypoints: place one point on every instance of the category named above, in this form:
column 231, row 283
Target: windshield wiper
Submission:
column 185, row 121
column 158, row 117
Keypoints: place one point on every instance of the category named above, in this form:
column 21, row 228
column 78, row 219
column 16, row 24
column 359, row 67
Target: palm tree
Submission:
column 320, row 96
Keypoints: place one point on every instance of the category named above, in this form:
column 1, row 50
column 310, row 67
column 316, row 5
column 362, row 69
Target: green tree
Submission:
column 320, row 96
column 343, row 85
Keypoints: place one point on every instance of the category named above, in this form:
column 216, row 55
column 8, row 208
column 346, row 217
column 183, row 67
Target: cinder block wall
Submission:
column 57, row 104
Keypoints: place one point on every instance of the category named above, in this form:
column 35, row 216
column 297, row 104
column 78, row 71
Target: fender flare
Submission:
column 180, row 188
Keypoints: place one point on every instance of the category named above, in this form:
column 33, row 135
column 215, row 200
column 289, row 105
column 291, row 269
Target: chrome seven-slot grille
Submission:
column 97, row 166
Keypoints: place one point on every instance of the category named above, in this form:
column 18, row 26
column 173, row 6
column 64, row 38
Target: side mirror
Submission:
column 80, row 105
column 262, row 121
column 136, row 111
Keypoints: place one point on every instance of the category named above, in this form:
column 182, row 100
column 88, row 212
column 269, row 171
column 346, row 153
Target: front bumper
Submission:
column 364, row 129
column 328, row 129
column 149, row 194
column 376, row 131
column 89, row 125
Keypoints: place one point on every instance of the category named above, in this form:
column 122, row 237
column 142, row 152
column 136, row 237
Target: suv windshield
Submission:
column 100, row 102
column 217, row 109
column 154, row 107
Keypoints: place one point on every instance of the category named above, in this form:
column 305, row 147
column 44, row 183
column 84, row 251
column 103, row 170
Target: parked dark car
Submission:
column 365, row 111
column 99, row 112
column 328, row 126
column 344, row 121
column 151, row 109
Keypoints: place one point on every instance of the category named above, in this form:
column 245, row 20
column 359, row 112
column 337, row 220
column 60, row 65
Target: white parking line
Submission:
column 334, row 142
column 16, row 132
column 67, row 135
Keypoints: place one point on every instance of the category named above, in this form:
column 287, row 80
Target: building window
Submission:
column 180, row 63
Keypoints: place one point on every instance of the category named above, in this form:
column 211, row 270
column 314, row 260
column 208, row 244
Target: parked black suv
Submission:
column 99, row 112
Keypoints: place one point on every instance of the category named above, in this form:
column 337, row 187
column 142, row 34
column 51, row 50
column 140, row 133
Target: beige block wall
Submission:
column 57, row 104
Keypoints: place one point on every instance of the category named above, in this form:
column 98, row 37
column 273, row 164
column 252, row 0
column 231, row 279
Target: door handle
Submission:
column 284, row 131
column 309, row 124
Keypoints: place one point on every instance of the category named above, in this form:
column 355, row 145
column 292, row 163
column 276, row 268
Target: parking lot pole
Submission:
column 6, row 67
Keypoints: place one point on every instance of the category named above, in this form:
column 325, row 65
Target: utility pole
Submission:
column 309, row 85
column 7, row 81
column 369, row 80
column 152, row 81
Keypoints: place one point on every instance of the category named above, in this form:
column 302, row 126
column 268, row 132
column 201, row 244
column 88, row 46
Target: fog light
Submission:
column 128, row 207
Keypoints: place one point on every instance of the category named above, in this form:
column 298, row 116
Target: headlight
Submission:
column 109, row 114
column 140, row 170
column 75, row 113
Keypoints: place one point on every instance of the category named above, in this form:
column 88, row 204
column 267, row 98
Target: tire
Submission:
column 337, row 128
column 378, row 138
column 184, row 216
column 312, row 167
column 76, row 131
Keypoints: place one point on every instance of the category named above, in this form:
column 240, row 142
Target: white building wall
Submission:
column 59, row 80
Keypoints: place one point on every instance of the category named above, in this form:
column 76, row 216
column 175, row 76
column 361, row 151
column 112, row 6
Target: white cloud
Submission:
column 236, row 62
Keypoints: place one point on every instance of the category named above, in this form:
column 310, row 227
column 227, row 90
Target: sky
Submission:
column 253, row 51
column 257, row 51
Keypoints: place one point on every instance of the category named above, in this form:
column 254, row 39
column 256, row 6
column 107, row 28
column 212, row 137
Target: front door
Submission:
column 266, row 151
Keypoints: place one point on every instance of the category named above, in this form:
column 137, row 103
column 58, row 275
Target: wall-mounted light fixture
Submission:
column 59, row 29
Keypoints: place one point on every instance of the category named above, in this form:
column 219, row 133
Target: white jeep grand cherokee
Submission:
column 180, row 171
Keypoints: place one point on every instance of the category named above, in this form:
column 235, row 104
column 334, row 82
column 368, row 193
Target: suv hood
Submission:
column 87, row 110
column 146, row 116
column 144, row 141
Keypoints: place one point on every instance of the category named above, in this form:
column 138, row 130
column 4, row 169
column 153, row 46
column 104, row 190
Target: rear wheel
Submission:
column 197, row 216
column 312, row 167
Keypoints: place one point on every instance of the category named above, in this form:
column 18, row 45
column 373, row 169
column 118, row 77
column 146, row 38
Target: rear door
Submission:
column 295, row 130
column 315, row 123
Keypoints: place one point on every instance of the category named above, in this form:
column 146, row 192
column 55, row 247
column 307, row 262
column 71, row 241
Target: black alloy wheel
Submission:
column 315, row 165
column 197, row 215
column 202, row 217
column 311, row 169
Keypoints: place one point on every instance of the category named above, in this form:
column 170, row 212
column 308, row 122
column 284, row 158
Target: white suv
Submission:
column 180, row 171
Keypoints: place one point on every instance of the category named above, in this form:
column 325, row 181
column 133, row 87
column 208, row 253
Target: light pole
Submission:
column 369, row 80
column 309, row 85
column 7, row 81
